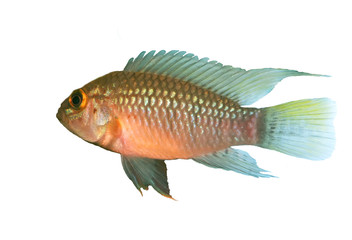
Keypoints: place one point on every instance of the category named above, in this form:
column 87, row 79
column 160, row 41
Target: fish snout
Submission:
column 59, row 115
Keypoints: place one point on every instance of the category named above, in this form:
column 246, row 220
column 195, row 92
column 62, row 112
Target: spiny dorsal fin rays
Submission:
column 170, row 62
column 134, row 62
column 244, row 87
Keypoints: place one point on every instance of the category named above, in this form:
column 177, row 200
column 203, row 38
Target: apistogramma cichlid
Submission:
column 172, row 105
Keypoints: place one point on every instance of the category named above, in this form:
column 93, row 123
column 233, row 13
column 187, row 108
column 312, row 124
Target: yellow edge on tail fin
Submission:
column 301, row 128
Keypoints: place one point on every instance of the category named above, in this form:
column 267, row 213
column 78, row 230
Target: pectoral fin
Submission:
column 144, row 172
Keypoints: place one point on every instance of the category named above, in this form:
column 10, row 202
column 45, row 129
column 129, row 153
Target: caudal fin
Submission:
column 301, row 128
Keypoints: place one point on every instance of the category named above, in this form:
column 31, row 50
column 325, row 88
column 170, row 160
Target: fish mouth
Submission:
column 59, row 115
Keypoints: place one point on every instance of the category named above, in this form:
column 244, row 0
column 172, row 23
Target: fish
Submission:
column 174, row 105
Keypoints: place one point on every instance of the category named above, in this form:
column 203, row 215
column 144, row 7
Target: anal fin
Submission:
column 144, row 172
column 233, row 160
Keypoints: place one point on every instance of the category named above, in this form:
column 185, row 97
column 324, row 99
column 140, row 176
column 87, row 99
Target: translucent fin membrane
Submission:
column 233, row 160
column 244, row 87
column 301, row 128
column 144, row 172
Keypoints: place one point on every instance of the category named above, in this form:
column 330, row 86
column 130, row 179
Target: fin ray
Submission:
column 144, row 172
column 302, row 128
column 244, row 87
column 233, row 160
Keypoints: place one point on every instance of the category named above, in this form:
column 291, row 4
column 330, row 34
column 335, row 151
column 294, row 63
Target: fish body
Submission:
column 172, row 105
column 167, row 118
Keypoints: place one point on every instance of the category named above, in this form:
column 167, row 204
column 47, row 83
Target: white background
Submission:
column 53, row 185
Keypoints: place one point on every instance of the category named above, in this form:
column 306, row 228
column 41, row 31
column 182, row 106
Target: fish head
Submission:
column 81, row 114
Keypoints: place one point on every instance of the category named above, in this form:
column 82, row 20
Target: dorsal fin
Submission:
column 244, row 87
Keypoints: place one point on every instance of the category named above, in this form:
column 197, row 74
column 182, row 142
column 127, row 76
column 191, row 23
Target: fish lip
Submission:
column 59, row 115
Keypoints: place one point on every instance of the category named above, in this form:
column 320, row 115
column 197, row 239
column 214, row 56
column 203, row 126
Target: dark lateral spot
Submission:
column 94, row 110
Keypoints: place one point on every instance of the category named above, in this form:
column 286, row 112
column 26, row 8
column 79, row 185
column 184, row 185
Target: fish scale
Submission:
column 166, row 109
column 171, row 105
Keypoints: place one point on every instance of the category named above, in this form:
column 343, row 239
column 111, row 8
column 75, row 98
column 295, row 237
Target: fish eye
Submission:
column 78, row 99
